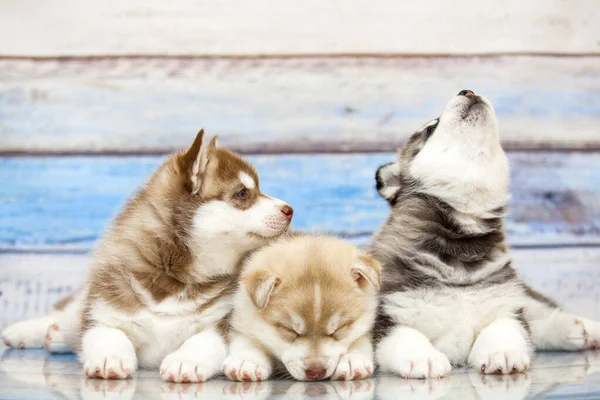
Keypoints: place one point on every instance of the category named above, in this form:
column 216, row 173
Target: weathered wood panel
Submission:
column 70, row 27
column 287, row 105
column 31, row 283
column 66, row 202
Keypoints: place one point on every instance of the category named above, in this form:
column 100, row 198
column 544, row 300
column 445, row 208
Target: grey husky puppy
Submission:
column 449, row 293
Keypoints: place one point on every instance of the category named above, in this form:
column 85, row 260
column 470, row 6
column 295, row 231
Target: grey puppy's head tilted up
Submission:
column 448, row 189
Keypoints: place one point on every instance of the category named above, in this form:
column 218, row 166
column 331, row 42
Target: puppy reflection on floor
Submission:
column 34, row 374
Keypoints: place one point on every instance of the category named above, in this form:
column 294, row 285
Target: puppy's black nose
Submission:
column 467, row 93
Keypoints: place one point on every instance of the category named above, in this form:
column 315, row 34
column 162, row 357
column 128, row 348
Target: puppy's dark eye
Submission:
column 241, row 194
column 429, row 131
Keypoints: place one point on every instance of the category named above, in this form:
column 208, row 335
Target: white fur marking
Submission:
column 298, row 324
column 247, row 180
column 317, row 302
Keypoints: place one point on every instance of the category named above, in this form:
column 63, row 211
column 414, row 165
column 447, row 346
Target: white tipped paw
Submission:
column 109, row 367
column 238, row 369
column 423, row 363
column 501, row 348
column 503, row 362
column 26, row 334
column 425, row 366
column 178, row 368
column 58, row 340
column 353, row 366
column 591, row 332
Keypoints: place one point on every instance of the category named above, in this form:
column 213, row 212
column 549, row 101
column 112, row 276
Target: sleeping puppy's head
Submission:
column 456, row 158
column 305, row 300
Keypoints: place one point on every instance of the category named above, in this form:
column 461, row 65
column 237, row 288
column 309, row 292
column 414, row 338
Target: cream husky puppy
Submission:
column 449, row 292
column 307, row 304
column 162, row 277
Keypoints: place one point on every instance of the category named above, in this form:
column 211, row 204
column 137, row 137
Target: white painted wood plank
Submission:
column 288, row 105
column 187, row 27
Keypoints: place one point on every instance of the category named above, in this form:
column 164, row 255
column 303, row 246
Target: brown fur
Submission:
column 148, row 242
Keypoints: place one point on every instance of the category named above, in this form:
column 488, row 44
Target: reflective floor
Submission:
column 32, row 374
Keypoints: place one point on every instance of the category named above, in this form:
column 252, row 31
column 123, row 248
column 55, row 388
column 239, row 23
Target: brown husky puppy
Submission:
column 163, row 275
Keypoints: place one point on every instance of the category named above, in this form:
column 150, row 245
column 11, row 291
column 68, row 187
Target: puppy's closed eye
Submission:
column 341, row 331
column 287, row 332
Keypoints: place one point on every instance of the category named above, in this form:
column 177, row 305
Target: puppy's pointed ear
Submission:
column 366, row 272
column 388, row 180
column 260, row 286
column 195, row 160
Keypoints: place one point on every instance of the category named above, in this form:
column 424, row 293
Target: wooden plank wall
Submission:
column 92, row 94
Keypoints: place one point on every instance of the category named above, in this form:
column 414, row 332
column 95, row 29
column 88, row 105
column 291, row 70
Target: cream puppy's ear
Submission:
column 388, row 180
column 260, row 286
column 194, row 161
column 366, row 272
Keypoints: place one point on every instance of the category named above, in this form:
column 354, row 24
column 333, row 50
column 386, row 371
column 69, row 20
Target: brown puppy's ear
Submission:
column 366, row 272
column 260, row 287
column 194, row 161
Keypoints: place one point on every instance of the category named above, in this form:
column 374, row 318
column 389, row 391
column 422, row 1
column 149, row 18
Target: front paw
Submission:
column 353, row 366
column 422, row 362
column 500, row 358
column 180, row 368
column 109, row 367
column 238, row 369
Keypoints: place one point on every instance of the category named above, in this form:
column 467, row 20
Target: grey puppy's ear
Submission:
column 388, row 180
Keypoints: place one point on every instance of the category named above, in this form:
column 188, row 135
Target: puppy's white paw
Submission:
column 421, row 362
column 592, row 332
column 238, row 369
column 182, row 368
column 353, row 366
column 109, row 367
column 575, row 335
column 408, row 353
column 508, row 355
column 59, row 339
column 27, row 334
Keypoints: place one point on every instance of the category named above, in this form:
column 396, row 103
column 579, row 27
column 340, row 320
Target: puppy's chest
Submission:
column 444, row 311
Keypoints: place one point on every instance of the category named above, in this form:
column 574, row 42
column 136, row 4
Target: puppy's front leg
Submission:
column 246, row 361
column 503, row 347
column 197, row 360
column 410, row 354
column 357, row 363
column 107, row 353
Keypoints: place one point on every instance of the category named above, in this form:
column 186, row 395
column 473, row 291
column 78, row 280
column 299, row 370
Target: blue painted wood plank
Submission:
column 287, row 105
column 66, row 202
